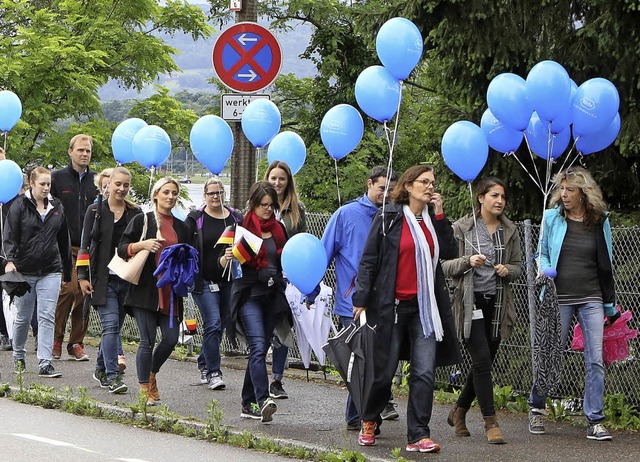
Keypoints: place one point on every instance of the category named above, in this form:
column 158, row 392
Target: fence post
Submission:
column 531, row 278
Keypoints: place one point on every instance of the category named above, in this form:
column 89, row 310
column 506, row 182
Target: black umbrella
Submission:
column 547, row 337
column 14, row 284
column 352, row 353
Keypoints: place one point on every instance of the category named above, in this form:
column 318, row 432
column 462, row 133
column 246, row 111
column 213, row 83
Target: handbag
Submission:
column 131, row 269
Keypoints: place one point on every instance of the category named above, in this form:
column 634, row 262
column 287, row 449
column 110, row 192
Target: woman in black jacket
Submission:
column 152, row 306
column 36, row 242
column 402, row 287
column 104, row 225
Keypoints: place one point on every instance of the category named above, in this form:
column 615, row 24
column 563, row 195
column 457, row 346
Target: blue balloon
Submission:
column 499, row 136
column 304, row 261
column 588, row 144
column 507, row 99
column 399, row 45
column 465, row 149
column 10, row 180
column 261, row 122
column 595, row 104
column 151, row 146
column 550, row 272
column 540, row 139
column 378, row 93
column 290, row 148
column 122, row 139
column 211, row 141
column 10, row 110
column 564, row 119
column 341, row 130
column 549, row 90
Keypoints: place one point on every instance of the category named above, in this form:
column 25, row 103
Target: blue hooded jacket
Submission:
column 344, row 239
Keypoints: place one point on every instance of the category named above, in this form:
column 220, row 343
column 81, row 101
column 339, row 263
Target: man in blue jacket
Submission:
column 344, row 239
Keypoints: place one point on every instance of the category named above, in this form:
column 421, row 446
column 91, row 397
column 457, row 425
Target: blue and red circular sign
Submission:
column 247, row 57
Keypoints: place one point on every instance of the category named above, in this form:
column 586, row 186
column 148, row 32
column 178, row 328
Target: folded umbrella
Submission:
column 14, row 284
column 547, row 337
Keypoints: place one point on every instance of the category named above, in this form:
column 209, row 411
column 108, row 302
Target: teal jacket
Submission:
column 555, row 228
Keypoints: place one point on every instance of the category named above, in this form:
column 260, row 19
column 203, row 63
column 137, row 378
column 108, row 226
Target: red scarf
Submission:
column 257, row 226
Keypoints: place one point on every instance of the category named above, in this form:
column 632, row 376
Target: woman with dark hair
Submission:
column 212, row 289
column 576, row 242
column 292, row 214
column 402, row 287
column 258, row 300
column 489, row 260
column 152, row 305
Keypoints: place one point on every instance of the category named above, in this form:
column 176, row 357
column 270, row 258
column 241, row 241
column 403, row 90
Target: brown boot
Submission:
column 494, row 435
column 144, row 387
column 153, row 388
column 456, row 420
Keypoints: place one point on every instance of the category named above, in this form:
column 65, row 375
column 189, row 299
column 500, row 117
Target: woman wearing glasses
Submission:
column 258, row 299
column 212, row 289
column 292, row 214
column 402, row 287
column 489, row 261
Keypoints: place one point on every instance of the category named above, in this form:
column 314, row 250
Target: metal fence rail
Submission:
column 513, row 363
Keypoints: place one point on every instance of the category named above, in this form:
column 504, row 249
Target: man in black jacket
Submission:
column 74, row 186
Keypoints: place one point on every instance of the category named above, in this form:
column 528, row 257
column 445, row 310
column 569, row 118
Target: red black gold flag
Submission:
column 83, row 258
column 227, row 236
column 242, row 251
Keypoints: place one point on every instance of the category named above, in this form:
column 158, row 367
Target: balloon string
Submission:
column 337, row 181
column 153, row 169
column 528, row 173
column 569, row 155
column 391, row 143
column 4, row 254
column 257, row 162
column 473, row 212
column 5, row 143
column 533, row 161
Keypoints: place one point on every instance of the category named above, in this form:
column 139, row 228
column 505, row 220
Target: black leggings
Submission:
column 483, row 351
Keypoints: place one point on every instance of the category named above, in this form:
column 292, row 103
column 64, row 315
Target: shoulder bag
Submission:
column 131, row 269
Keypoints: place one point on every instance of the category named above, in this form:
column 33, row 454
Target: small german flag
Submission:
column 227, row 235
column 243, row 251
column 83, row 258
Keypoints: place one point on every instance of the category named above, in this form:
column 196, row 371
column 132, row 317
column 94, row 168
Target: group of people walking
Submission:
column 393, row 249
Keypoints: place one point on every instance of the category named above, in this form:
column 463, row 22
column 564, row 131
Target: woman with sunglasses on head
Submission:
column 489, row 260
column 576, row 242
column 292, row 214
column 258, row 300
column 212, row 289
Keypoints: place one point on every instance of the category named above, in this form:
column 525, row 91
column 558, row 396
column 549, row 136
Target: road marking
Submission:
column 51, row 442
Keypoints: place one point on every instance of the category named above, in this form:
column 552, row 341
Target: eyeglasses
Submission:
column 214, row 193
column 427, row 183
column 267, row 206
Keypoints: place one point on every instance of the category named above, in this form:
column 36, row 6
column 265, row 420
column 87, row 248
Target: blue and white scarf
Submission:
column 425, row 265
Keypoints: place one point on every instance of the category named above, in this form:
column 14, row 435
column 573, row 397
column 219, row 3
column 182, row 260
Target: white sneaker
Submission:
column 215, row 382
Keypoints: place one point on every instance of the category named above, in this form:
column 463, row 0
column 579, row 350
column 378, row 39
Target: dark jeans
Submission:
column 483, row 351
column 147, row 359
column 112, row 318
column 258, row 324
column 210, row 305
column 280, row 355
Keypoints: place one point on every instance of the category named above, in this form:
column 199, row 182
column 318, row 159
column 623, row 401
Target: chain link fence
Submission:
column 512, row 365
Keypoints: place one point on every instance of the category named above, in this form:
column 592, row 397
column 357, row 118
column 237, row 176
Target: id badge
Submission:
column 214, row 287
column 477, row 314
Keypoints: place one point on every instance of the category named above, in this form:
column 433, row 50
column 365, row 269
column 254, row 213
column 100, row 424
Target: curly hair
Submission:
column 591, row 194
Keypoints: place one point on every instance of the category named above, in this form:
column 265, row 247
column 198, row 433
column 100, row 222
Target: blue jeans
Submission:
column 258, row 324
column 112, row 318
column 44, row 291
column 280, row 355
column 149, row 360
column 210, row 304
column 591, row 318
column 351, row 414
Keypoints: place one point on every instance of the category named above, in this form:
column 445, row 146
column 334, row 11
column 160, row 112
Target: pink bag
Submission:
column 615, row 343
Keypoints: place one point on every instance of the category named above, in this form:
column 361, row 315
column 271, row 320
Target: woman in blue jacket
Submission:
column 576, row 242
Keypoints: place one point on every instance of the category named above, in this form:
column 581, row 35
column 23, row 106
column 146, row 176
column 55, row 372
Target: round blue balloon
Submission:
column 595, row 104
column 10, row 180
column 549, row 90
column 122, row 139
column 211, row 141
column 261, row 122
column 304, row 261
column 499, row 136
column 378, row 93
column 507, row 99
column 465, row 149
column 564, row 119
column 341, row 130
column 151, row 146
column 10, row 110
column 550, row 272
column 541, row 140
column 399, row 45
column 588, row 144
column 290, row 148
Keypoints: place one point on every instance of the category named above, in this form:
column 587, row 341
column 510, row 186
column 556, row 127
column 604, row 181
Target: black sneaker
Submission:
column 355, row 425
column 536, row 425
column 47, row 370
column 389, row 412
column 116, row 385
column 596, row 431
column 276, row 391
column 267, row 410
column 101, row 377
column 19, row 365
column 5, row 343
column 251, row 412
